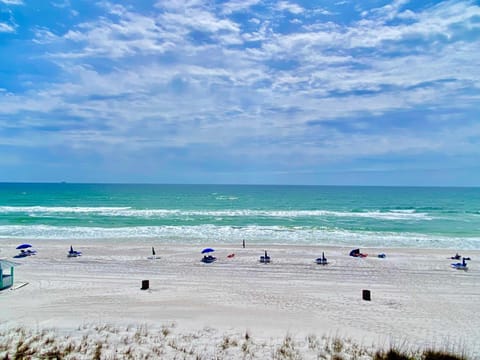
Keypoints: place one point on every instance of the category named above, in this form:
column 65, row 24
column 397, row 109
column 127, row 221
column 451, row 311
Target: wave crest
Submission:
column 212, row 234
column 149, row 213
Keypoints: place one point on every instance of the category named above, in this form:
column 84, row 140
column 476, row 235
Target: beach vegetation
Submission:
column 313, row 342
column 287, row 350
column 53, row 353
column 427, row 354
column 165, row 331
column 141, row 333
column 337, row 345
column 392, row 354
column 23, row 349
column 97, row 355
column 113, row 342
column 128, row 353
column 227, row 342
column 442, row 355
column 357, row 351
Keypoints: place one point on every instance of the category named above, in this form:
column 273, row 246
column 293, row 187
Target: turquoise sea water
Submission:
column 351, row 216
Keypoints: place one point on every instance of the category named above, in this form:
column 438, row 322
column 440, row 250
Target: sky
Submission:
column 373, row 92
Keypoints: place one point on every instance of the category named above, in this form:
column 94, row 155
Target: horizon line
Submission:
column 233, row 184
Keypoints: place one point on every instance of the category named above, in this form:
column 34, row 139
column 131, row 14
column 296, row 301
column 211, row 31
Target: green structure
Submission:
column 6, row 273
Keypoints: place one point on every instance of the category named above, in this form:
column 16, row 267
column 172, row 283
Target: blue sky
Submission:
column 374, row 92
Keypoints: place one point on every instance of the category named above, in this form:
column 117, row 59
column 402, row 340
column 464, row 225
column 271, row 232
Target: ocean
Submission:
column 378, row 217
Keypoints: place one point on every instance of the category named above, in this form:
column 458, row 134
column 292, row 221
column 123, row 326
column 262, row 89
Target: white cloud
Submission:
column 6, row 28
column 180, row 4
column 238, row 5
column 322, row 12
column 12, row 2
column 262, row 34
column 199, row 19
column 389, row 11
column 44, row 36
column 61, row 5
column 133, row 33
column 270, row 91
column 290, row 7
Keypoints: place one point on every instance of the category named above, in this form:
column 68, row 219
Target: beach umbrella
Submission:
column 23, row 246
column 207, row 250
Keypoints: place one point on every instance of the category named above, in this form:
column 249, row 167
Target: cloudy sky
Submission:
column 374, row 92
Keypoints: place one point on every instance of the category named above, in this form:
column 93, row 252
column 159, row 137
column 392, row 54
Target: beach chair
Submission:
column 460, row 266
column 21, row 254
column 322, row 260
column 265, row 259
column 208, row 259
column 73, row 253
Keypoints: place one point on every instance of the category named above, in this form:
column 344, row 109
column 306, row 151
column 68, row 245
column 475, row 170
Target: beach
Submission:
column 416, row 297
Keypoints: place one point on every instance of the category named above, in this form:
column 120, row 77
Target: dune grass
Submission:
column 141, row 342
column 428, row 354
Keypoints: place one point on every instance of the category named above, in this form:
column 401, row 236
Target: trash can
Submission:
column 145, row 285
column 366, row 295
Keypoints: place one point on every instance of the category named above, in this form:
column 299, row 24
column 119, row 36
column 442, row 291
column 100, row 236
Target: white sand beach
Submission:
column 416, row 297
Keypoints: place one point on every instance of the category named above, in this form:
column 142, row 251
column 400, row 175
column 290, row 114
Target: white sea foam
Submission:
column 59, row 209
column 161, row 213
column 224, row 197
column 235, row 234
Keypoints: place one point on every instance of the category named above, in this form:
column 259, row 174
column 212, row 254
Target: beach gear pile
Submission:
column 25, row 250
column 208, row 259
column 356, row 253
column 322, row 260
column 73, row 253
column 265, row 259
column 459, row 265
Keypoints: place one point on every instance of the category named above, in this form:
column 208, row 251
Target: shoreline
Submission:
column 148, row 242
column 416, row 296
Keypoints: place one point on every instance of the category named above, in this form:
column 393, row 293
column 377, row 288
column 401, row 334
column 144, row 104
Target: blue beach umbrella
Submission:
column 207, row 250
column 23, row 246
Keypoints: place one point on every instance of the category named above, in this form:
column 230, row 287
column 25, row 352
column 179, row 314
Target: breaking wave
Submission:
column 212, row 234
column 162, row 213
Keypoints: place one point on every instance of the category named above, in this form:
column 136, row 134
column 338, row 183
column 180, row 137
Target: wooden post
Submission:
column 366, row 295
column 145, row 285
